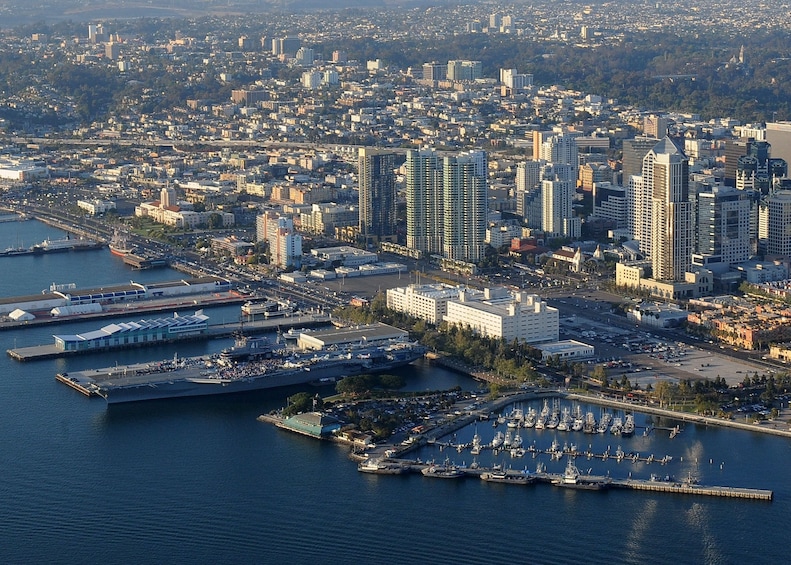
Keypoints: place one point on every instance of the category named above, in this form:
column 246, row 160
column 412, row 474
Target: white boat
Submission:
column 572, row 478
column 517, row 441
column 502, row 476
column 617, row 426
column 497, row 441
column 604, row 422
column 628, row 425
column 579, row 422
column 379, row 467
column 444, row 471
column 589, row 426
column 515, row 418
column 565, row 421
column 530, row 419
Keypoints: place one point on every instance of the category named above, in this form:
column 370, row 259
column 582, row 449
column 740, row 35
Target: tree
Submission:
column 214, row 221
column 300, row 402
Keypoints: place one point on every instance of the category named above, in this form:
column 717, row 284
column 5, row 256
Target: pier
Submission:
column 217, row 331
column 139, row 263
column 671, row 487
column 691, row 488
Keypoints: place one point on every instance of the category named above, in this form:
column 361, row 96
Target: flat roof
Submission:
column 102, row 289
column 30, row 298
column 559, row 346
column 370, row 332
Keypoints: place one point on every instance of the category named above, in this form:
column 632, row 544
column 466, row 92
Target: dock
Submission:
column 393, row 456
column 217, row 331
column 685, row 487
column 139, row 262
column 671, row 487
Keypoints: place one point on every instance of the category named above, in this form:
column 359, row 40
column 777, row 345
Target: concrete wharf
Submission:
column 185, row 302
column 51, row 351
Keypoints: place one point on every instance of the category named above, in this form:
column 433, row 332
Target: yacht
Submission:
column 444, row 471
column 572, row 478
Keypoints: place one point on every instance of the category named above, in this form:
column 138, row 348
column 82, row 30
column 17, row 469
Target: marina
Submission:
column 389, row 458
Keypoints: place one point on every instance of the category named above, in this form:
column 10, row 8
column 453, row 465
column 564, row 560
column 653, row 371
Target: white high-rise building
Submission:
column 424, row 201
column 285, row 245
column 311, row 79
column 515, row 81
column 562, row 150
column 638, row 204
column 666, row 174
column 528, row 181
column 556, row 205
column 304, row 56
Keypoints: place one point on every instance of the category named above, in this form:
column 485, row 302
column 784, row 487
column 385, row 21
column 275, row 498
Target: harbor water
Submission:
column 200, row 480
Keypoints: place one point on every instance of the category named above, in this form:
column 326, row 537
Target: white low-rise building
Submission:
column 502, row 314
column 95, row 207
column 657, row 315
column 566, row 349
column 346, row 255
column 427, row 301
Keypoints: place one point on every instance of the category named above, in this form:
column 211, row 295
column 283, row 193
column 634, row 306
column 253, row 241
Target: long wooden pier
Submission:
column 689, row 488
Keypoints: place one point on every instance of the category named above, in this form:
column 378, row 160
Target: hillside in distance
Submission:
column 20, row 12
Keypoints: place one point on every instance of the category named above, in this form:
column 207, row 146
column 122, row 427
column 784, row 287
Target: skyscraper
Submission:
column 723, row 228
column 666, row 175
column 779, row 240
column 528, row 181
column 557, row 194
column 424, row 201
column 377, row 195
column 562, row 150
column 465, row 209
column 634, row 150
column 779, row 135
column 638, row 216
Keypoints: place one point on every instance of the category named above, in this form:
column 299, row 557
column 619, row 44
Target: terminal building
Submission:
column 129, row 334
column 370, row 334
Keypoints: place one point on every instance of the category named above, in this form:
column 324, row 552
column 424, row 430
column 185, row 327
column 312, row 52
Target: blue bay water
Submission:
column 201, row 481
